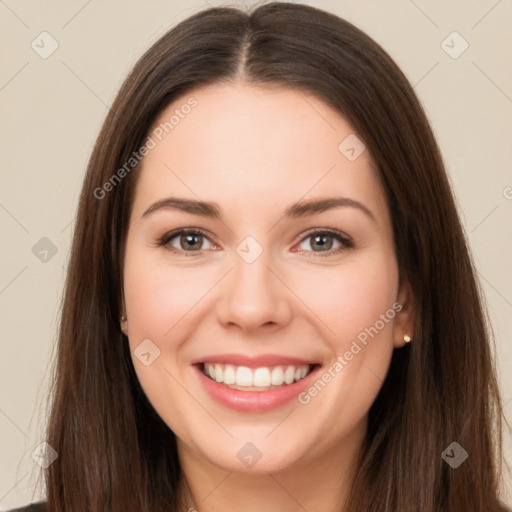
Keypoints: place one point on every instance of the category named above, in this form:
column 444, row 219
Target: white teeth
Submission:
column 218, row 373
column 229, row 374
column 277, row 378
column 289, row 374
column 243, row 375
column 263, row 377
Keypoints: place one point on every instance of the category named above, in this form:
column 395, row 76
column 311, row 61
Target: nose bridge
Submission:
column 253, row 295
column 252, row 273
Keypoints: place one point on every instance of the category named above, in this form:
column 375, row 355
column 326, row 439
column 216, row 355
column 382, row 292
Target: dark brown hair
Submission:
column 115, row 452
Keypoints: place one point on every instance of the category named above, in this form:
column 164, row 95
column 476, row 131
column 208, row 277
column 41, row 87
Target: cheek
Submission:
column 158, row 296
column 356, row 303
column 351, row 298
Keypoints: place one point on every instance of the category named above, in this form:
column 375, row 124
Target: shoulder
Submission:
column 34, row 507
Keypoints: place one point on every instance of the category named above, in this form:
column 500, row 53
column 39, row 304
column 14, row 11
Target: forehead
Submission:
column 255, row 147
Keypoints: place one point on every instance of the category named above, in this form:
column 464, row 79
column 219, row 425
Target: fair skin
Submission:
column 254, row 152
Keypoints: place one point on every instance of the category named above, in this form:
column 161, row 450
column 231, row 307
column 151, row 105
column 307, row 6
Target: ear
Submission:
column 404, row 320
column 123, row 321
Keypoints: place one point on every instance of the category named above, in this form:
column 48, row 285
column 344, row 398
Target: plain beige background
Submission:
column 52, row 108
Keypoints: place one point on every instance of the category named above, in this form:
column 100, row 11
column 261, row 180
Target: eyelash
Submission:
column 346, row 242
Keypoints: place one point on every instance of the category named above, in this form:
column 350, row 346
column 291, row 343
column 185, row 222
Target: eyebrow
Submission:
column 296, row 210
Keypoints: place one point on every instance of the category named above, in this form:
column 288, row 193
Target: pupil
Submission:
column 190, row 238
column 322, row 242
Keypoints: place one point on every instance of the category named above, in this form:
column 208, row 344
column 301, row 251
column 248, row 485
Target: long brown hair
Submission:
column 115, row 452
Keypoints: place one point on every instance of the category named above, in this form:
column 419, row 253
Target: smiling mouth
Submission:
column 264, row 378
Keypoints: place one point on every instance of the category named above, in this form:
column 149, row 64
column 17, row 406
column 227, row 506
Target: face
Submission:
column 260, row 285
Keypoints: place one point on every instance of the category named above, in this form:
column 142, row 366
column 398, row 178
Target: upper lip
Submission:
column 254, row 361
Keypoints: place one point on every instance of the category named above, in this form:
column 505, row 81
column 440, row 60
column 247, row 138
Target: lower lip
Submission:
column 254, row 401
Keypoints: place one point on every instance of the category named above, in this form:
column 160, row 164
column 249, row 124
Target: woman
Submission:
column 324, row 346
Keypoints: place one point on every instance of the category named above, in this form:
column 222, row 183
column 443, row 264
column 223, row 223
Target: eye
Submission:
column 191, row 240
column 186, row 239
column 325, row 239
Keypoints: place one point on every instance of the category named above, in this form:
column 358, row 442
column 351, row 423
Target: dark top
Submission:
column 35, row 507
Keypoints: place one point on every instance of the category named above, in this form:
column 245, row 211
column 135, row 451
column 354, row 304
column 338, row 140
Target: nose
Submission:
column 254, row 296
